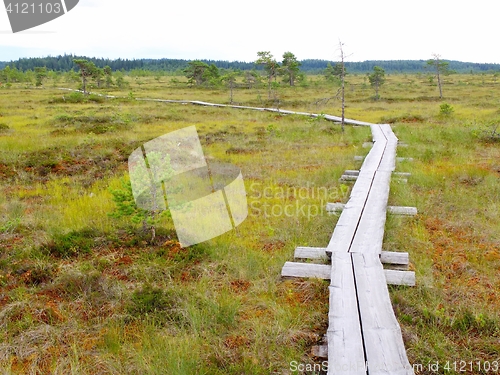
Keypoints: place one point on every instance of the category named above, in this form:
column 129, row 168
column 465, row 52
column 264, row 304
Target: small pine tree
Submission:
column 109, row 76
column 377, row 79
column 87, row 70
column 40, row 75
column 445, row 109
column 230, row 79
column 333, row 73
column 290, row 68
column 126, row 207
column 151, row 207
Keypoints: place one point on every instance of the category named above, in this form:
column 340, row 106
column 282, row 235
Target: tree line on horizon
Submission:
column 65, row 63
column 200, row 73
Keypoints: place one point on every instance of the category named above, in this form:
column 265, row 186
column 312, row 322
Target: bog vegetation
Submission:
column 85, row 290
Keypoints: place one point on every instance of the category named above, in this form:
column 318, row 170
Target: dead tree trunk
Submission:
column 342, row 77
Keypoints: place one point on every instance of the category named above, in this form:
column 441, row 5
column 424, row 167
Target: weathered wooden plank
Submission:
column 401, row 180
column 400, row 210
column 394, row 210
column 333, row 118
column 372, row 160
column 388, row 161
column 387, row 130
column 351, row 172
column 399, row 277
column 393, row 257
column 346, row 225
column 324, row 271
column 361, row 188
column 385, row 351
column 345, row 341
column 286, row 112
column 386, row 257
column 294, row 269
column 347, row 121
column 370, row 231
column 320, row 351
column 392, row 143
column 302, row 252
column 246, row 107
column 335, row 207
column 401, row 159
column 400, row 174
column 377, row 133
column 348, row 177
column 345, row 229
column 206, row 104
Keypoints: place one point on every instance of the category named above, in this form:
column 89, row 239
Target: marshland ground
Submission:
column 83, row 292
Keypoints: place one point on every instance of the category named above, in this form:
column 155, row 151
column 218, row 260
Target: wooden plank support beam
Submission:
column 324, row 271
column 335, row 207
column 296, row 269
column 394, row 257
column 402, row 174
column 320, row 351
column 404, row 159
column 398, row 277
column 322, row 253
column 394, row 210
column 351, row 172
column 354, row 173
column 400, row 210
column 401, row 180
column 305, row 252
column 347, row 177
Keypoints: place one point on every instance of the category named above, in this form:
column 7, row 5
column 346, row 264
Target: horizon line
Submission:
column 231, row 61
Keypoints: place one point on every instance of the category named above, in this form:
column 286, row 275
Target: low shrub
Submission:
column 408, row 118
column 445, row 109
column 158, row 304
column 78, row 97
column 72, row 243
column 92, row 124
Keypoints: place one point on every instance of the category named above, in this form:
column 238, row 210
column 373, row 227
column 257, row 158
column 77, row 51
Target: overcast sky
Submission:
column 231, row 30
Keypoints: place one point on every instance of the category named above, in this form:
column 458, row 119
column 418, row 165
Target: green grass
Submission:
column 84, row 293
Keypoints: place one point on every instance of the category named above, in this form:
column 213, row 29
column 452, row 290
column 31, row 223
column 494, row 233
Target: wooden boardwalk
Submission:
column 362, row 326
column 363, row 334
